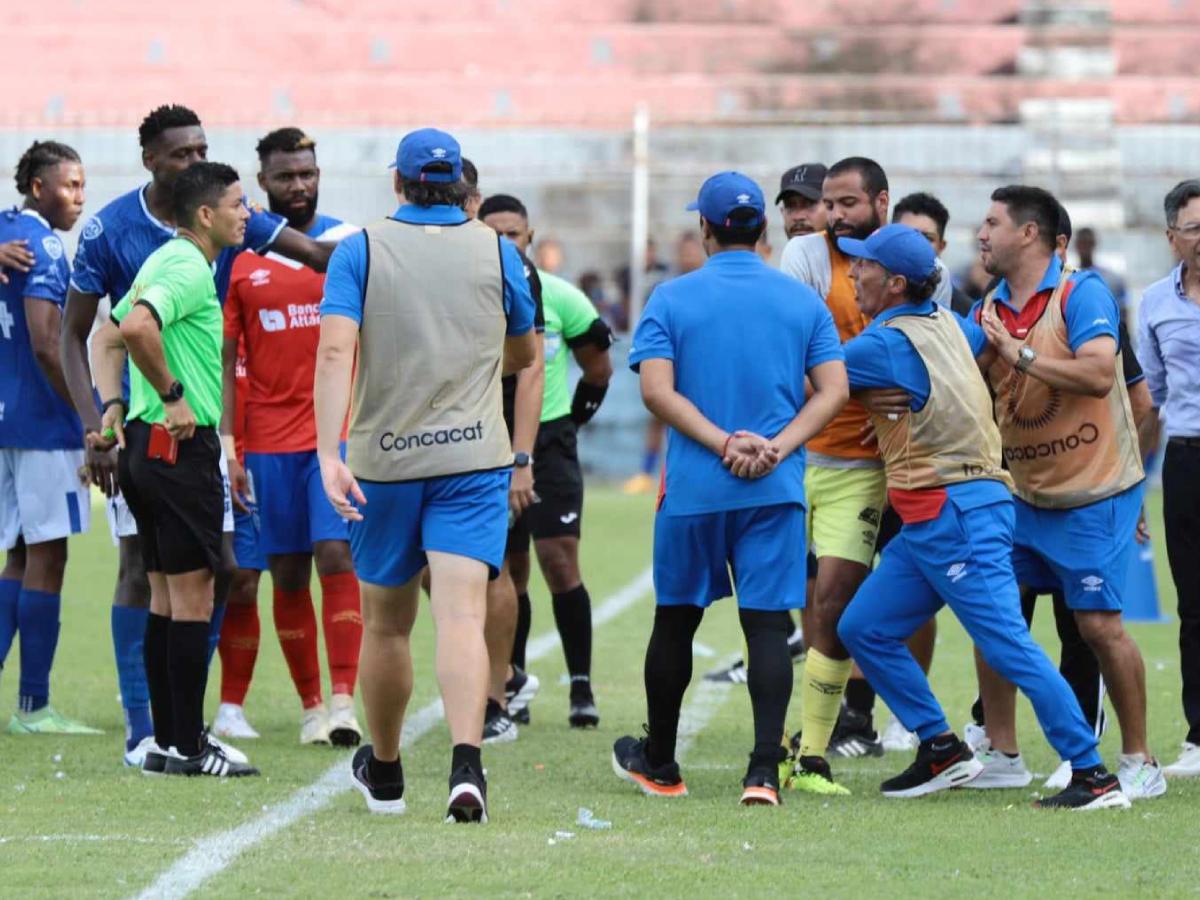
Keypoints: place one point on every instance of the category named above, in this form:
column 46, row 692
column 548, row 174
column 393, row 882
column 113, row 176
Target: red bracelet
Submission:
column 725, row 449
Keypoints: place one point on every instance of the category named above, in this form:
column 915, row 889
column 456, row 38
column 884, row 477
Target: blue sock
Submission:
column 37, row 623
column 650, row 462
column 214, row 631
column 129, row 634
column 10, row 590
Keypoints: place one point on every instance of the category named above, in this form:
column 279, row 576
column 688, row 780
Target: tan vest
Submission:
column 1064, row 450
column 952, row 438
column 427, row 399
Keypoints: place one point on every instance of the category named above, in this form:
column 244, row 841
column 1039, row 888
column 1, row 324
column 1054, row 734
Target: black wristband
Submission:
column 113, row 402
column 586, row 401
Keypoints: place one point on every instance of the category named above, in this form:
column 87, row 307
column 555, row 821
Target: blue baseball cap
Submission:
column 726, row 192
column 898, row 248
column 425, row 147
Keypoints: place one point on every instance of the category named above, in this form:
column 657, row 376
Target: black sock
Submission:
column 188, row 663
column 384, row 772
column 977, row 712
column 524, row 621
column 942, row 745
column 860, row 696
column 573, row 616
column 769, row 678
column 466, row 755
column 156, row 654
column 668, row 671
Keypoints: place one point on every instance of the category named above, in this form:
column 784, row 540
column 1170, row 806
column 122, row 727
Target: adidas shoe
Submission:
column 232, row 753
column 1141, row 778
column 796, row 648
column 520, row 690
column 382, row 799
column 231, row 723
column 498, row 728
column 1000, row 771
column 211, row 761
column 521, row 717
column 630, row 763
column 154, row 762
column 344, row 730
column 898, row 739
column 853, row 736
column 136, row 758
column 735, row 674
column 941, row 763
column 1095, row 790
column 468, row 797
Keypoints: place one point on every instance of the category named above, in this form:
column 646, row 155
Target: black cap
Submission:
column 804, row 179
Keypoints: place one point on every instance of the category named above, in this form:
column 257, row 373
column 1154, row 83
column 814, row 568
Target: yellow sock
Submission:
column 821, row 690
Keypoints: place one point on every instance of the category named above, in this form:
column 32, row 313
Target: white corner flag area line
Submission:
column 215, row 853
column 707, row 698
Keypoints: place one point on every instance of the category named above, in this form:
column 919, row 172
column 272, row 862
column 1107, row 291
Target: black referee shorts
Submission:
column 558, row 483
column 180, row 508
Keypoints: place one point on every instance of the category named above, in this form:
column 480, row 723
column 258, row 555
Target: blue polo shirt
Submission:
column 742, row 336
column 346, row 276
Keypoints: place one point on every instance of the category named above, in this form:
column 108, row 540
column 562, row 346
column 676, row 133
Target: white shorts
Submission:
column 42, row 497
column 122, row 525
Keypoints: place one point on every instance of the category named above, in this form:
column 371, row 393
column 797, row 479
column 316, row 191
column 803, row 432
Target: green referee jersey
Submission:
column 176, row 282
column 569, row 314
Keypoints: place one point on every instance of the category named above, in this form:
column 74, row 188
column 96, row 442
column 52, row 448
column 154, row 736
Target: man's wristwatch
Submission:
column 174, row 393
column 1025, row 357
column 522, row 460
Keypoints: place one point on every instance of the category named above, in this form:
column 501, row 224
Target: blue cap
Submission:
column 422, row 148
column 899, row 249
column 725, row 192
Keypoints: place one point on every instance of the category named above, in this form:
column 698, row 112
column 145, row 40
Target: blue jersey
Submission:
column 118, row 239
column 742, row 336
column 32, row 414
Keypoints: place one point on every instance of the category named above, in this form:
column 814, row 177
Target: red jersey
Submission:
column 273, row 307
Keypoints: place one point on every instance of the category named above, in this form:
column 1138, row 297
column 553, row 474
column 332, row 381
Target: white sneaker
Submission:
column 232, row 753
column 231, row 723
column 1141, row 778
column 1000, row 771
column 1188, row 764
column 344, row 730
column 136, row 757
column 1061, row 778
column 898, row 738
column 314, row 727
column 976, row 737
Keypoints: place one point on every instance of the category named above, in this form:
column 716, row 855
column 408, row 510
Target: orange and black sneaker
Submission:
column 1089, row 789
column 629, row 762
column 760, row 787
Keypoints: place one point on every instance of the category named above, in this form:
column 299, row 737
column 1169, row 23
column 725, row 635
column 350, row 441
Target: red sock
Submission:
column 341, row 616
column 296, row 625
column 239, row 651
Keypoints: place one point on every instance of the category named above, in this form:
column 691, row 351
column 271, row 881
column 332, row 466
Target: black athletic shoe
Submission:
column 468, row 797
column 1097, row 790
column 520, row 690
column 941, row 763
column 583, row 712
column 521, row 717
column 760, row 787
column 498, row 727
column 854, row 736
column 796, row 647
column 155, row 761
column 630, row 763
column 382, row 798
column 211, row 761
column 735, row 674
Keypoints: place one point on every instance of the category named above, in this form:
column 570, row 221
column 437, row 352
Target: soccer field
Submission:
column 73, row 822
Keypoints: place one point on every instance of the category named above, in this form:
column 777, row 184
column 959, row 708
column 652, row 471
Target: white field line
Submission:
column 707, row 698
column 211, row 855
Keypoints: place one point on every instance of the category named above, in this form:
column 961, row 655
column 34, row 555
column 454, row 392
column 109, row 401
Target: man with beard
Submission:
column 844, row 481
column 271, row 311
column 799, row 200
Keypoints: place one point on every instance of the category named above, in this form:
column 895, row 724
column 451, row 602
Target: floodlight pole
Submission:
column 639, row 227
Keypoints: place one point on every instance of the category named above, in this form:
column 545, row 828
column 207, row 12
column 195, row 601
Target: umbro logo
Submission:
column 956, row 572
column 1092, row 583
column 260, row 277
column 568, row 518
column 743, row 198
column 438, row 153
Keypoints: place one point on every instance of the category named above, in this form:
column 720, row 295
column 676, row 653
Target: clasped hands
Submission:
column 750, row 455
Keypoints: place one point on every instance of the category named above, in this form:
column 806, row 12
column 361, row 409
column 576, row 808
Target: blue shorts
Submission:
column 246, row 546
column 763, row 548
column 466, row 515
column 1086, row 551
column 293, row 511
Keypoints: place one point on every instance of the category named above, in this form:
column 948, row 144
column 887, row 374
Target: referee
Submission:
column 433, row 308
column 169, row 465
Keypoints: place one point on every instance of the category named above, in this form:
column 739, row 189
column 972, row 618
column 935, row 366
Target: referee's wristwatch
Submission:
column 1025, row 357
column 522, row 460
column 174, row 393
